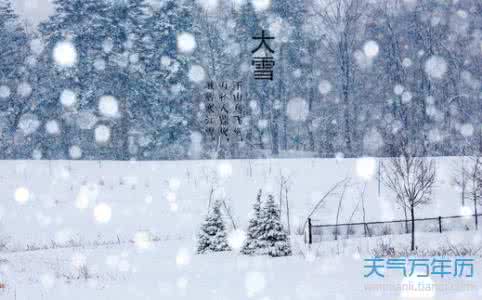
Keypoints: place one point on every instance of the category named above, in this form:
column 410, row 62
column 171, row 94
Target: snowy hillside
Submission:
column 70, row 202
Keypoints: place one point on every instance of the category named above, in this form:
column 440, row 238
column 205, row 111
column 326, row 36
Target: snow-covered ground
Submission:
column 170, row 270
column 80, row 202
column 126, row 230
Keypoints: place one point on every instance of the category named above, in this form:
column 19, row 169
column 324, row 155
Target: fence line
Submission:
column 312, row 228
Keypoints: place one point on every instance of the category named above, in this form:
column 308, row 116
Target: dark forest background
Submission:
column 373, row 77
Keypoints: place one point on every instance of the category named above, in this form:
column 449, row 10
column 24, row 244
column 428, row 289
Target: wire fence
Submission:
column 330, row 232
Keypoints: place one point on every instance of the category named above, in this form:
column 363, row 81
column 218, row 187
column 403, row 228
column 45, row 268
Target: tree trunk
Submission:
column 476, row 214
column 412, row 212
column 406, row 219
column 287, row 211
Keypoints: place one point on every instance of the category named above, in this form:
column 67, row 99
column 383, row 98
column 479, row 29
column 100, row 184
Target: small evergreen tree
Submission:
column 252, row 244
column 272, row 237
column 212, row 237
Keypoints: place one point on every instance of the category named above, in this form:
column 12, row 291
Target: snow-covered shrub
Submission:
column 273, row 238
column 384, row 248
column 212, row 236
column 84, row 273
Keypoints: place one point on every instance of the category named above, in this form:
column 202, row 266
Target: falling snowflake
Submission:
column 52, row 127
column 24, row 89
column 366, row 167
column 107, row 45
column 236, row 239
column 261, row 5
column 183, row 257
column 65, row 54
column 186, row 43
column 109, row 106
column 174, row 184
column 196, row 74
column 406, row 97
column 87, row 194
column 370, row 49
column 102, row 213
column 407, row 62
column 4, row 92
column 209, row 5
column 165, row 61
column 28, row 124
column 466, row 211
column 102, row 134
column 142, row 240
column 75, row 152
column 68, row 98
column 398, row 89
column 324, row 87
column 253, row 105
column 37, row 154
column 225, row 170
column 436, row 67
column 148, row 199
column 99, row 64
column 263, row 124
column 467, row 129
column 37, row 46
column 297, row 109
column 22, row 195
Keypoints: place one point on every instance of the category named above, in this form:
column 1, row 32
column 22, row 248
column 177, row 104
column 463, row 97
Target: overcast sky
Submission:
column 33, row 10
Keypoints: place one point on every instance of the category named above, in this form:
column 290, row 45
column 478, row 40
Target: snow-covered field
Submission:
column 170, row 270
column 126, row 230
column 69, row 202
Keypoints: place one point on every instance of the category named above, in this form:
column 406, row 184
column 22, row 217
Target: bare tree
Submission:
column 411, row 178
column 469, row 179
column 285, row 183
column 342, row 21
column 339, row 209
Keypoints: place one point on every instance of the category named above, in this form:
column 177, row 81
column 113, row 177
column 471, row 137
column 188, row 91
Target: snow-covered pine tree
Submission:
column 212, row 236
column 83, row 24
column 168, row 69
column 13, row 55
column 252, row 245
column 273, row 238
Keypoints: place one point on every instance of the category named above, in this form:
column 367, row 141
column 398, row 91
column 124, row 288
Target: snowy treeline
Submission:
column 125, row 79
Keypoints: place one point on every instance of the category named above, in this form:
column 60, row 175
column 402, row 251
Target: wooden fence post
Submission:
column 310, row 236
column 440, row 224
